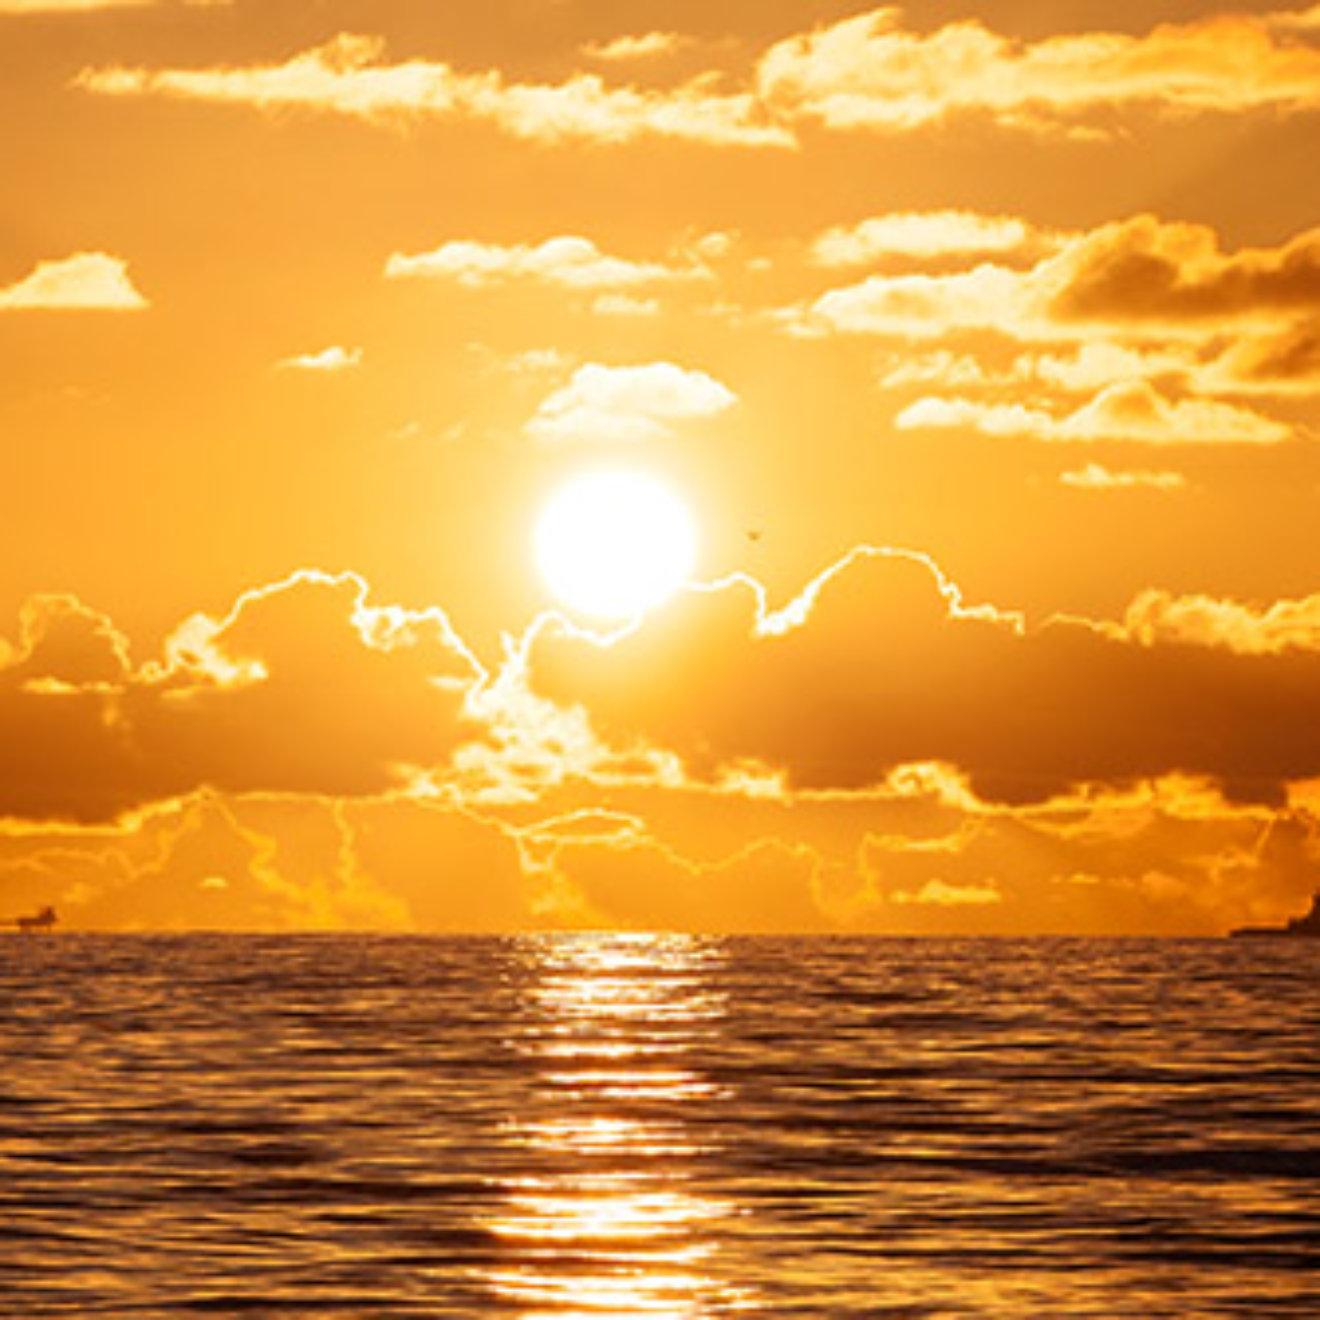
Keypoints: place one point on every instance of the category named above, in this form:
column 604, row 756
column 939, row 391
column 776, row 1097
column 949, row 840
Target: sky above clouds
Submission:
column 981, row 343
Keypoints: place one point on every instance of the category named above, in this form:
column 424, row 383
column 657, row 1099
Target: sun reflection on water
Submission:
column 612, row 1221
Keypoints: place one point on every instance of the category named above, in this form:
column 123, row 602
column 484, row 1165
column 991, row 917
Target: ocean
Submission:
column 658, row 1126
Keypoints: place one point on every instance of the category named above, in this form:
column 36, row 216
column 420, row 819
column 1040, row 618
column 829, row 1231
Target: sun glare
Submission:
column 614, row 544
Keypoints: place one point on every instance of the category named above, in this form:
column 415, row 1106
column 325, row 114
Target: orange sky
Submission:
column 1003, row 338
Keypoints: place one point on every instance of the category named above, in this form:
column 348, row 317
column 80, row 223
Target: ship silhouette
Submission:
column 43, row 919
column 1305, row 927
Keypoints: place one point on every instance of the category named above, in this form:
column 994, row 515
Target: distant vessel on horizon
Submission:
column 1305, row 927
column 44, row 919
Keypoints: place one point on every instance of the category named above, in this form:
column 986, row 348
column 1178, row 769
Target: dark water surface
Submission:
column 590, row 1126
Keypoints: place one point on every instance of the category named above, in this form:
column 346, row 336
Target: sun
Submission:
column 613, row 544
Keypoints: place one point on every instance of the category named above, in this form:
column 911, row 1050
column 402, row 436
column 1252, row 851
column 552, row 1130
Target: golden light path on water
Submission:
column 611, row 1224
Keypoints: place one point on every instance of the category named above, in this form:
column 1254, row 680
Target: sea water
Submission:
column 658, row 1125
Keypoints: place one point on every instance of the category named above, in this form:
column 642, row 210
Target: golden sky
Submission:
column 976, row 348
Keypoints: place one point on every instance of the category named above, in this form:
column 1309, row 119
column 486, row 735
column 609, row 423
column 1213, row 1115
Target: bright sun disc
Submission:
column 613, row 544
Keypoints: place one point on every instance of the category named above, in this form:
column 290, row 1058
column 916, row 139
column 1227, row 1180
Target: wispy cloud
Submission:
column 880, row 669
column 941, row 893
column 624, row 304
column 1131, row 411
column 567, row 260
column 645, row 46
column 1096, row 476
column 348, row 76
column 326, row 362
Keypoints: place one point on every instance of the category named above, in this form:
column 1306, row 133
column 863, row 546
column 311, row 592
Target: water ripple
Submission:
column 578, row 1126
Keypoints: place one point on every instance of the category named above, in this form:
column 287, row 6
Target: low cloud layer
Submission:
column 880, row 754
column 307, row 687
column 303, row 687
column 876, row 672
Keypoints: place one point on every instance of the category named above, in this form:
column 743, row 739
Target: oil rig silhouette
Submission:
column 1306, row 926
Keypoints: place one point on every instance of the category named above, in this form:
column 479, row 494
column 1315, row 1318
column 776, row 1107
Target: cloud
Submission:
column 921, row 234
column 1259, row 366
column 895, row 370
column 923, row 306
column 1160, row 618
column 84, row 281
column 1084, row 368
column 934, row 413
column 869, row 72
column 1095, row 364
column 878, row 754
column 1149, row 271
column 1141, row 277
column 1295, row 20
column 428, row 854
column 303, row 686
column 603, row 868
column 1170, row 855
column 328, row 361
column 623, row 304
column 1284, row 363
column 567, row 261
column 768, row 887
column 875, row 667
column 276, row 862
column 1011, row 831
column 347, row 76
column 1171, row 334
column 88, row 6
column 1132, row 411
column 649, row 45
column 537, row 362
column 606, row 403
column 64, row 646
column 1095, row 476
column 941, row 893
